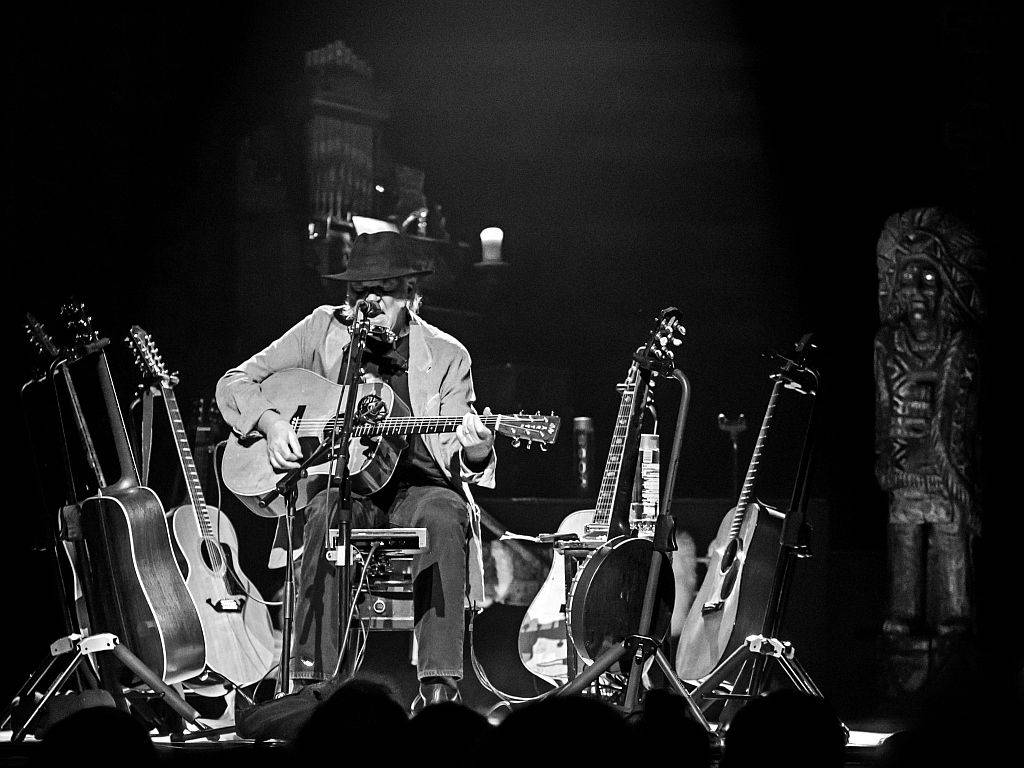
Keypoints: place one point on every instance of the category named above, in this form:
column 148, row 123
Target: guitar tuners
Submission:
column 516, row 442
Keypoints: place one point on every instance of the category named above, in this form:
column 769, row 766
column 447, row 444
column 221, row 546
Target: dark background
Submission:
column 736, row 160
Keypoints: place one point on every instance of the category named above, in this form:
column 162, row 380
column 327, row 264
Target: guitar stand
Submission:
column 640, row 647
column 75, row 648
column 750, row 661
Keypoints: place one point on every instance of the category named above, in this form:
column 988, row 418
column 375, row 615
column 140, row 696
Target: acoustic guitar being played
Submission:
column 310, row 402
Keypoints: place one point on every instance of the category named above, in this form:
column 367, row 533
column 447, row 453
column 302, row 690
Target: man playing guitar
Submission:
column 429, row 486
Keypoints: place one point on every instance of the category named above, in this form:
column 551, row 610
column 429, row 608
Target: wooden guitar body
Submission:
column 138, row 592
column 542, row 635
column 240, row 644
column 731, row 602
column 608, row 594
column 301, row 394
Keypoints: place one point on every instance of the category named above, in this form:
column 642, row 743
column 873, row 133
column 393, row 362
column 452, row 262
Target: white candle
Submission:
column 490, row 244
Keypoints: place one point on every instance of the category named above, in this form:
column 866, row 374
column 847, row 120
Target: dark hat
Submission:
column 380, row 255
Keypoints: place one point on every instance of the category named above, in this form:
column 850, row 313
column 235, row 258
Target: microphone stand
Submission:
column 334, row 447
column 343, row 507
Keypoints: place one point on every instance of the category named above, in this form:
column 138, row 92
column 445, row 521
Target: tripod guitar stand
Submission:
column 749, row 665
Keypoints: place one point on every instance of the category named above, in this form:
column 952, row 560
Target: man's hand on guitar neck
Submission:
column 476, row 439
column 283, row 448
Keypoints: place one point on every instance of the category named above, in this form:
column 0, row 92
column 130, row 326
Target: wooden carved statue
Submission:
column 927, row 443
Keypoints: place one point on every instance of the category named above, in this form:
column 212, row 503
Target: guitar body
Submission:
column 302, row 394
column 731, row 602
column 542, row 635
column 608, row 594
column 240, row 645
column 141, row 596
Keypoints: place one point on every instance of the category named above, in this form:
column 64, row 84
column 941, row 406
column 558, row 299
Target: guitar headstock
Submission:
column 795, row 368
column 40, row 339
column 657, row 355
column 535, row 428
column 148, row 359
column 45, row 348
column 82, row 335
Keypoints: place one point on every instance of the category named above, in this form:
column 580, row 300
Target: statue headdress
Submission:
column 935, row 236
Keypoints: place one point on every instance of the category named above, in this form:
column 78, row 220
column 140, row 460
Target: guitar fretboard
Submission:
column 747, row 492
column 612, row 468
column 412, row 425
column 188, row 466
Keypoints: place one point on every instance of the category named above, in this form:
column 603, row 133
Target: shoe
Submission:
column 443, row 690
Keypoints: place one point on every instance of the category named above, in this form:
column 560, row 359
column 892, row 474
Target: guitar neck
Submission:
column 747, row 492
column 613, row 468
column 407, row 425
column 125, row 457
column 188, row 466
column 92, row 457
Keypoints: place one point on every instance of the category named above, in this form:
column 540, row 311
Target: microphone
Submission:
column 371, row 307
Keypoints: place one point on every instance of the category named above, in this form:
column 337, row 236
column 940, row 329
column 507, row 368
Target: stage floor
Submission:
column 861, row 750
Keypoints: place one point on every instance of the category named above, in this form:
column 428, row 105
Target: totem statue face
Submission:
column 919, row 293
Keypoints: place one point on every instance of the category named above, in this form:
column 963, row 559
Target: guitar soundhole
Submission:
column 371, row 409
column 729, row 555
column 728, row 583
column 211, row 555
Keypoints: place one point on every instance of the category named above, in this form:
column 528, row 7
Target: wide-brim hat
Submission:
column 379, row 256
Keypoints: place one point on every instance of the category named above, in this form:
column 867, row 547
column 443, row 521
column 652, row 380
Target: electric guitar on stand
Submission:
column 542, row 635
column 239, row 636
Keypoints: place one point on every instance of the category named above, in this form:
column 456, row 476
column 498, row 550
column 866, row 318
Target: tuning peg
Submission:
column 543, row 447
column 529, row 444
column 516, row 442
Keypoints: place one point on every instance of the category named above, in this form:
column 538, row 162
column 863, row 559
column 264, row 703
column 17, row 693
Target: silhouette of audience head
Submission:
column 453, row 724
column 96, row 736
column 787, row 728
column 361, row 719
column 666, row 721
column 550, row 726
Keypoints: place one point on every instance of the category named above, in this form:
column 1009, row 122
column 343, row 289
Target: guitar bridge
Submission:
column 227, row 604
column 711, row 607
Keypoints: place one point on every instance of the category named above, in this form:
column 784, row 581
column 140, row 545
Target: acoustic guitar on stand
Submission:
column 135, row 589
column 381, row 421
column 733, row 597
column 239, row 635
